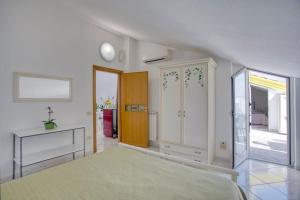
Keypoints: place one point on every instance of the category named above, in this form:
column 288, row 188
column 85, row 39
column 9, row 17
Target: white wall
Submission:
column 44, row 37
column 277, row 111
column 106, row 85
column 283, row 114
column 224, row 71
column 296, row 106
column 130, row 53
column 273, row 113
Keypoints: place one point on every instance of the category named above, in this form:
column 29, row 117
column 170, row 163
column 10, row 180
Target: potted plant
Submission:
column 100, row 107
column 108, row 103
column 50, row 124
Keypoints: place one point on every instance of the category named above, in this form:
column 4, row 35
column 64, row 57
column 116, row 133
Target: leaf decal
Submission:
column 195, row 71
column 166, row 75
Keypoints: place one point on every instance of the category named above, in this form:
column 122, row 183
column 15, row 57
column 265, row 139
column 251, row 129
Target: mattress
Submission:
column 121, row 174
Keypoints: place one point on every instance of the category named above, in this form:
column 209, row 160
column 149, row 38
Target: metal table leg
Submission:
column 14, row 156
column 84, row 142
column 21, row 158
column 73, row 133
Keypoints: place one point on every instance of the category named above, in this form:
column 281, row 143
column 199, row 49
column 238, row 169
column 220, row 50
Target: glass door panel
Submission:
column 240, row 117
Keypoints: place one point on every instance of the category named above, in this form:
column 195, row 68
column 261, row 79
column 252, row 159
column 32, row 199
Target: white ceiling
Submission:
column 262, row 34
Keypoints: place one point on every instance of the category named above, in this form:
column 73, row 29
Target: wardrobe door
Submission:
column 195, row 106
column 170, row 105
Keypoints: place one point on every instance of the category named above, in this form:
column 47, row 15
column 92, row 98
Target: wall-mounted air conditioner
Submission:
column 153, row 53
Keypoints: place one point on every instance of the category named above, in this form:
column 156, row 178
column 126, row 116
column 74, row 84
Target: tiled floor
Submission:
column 265, row 181
column 104, row 142
column 266, row 145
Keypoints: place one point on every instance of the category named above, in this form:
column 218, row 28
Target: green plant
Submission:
column 108, row 103
column 100, row 107
column 49, row 124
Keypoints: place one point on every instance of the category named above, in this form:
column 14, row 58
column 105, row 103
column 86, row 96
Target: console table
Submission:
column 34, row 158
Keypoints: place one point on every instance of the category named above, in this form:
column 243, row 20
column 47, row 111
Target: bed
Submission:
column 122, row 174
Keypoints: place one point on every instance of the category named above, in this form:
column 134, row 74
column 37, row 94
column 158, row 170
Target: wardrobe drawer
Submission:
column 198, row 152
column 184, row 156
column 195, row 152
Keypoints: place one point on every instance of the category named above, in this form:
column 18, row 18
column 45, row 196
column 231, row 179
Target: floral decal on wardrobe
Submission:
column 195, row 71
column 169, row 74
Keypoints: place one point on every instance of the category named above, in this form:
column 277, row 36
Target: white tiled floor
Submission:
column 265, row 181
column 268, row 146
column 104, row 142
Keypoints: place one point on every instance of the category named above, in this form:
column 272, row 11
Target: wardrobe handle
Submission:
column 184, row 113
column 178, row 113
column 198, row 152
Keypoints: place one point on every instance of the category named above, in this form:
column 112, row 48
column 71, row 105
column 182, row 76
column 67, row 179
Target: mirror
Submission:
column 34, row 87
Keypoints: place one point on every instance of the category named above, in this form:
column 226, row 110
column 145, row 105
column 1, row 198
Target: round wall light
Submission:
column 107, row 52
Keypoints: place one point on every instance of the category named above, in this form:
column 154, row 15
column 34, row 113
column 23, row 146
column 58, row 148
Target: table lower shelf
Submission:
column 41, row 156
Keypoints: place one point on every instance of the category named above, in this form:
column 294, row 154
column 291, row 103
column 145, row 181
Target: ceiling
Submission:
column 262, row 34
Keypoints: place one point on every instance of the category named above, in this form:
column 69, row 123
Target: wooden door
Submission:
column 134, row 108
column 171, row 105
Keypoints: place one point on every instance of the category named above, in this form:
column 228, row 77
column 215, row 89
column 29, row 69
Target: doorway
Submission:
column 106, row 101
column 260, row 117
column 268, row 118
column 121, row 118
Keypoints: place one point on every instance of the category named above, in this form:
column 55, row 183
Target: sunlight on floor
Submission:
column 268, row 146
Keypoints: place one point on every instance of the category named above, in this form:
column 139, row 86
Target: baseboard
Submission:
column 153, row 143
column 223, row 162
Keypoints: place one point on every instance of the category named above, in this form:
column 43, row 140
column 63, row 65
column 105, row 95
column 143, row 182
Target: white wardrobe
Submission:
column 187, row 115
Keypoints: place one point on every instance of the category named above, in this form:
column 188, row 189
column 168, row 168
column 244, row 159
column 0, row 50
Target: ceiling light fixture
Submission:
column 107, row 52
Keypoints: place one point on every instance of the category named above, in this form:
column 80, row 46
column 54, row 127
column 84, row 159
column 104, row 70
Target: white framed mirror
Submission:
column 41, row 88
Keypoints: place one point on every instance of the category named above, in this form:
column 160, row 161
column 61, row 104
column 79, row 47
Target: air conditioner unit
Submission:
column 155, row 53
column 157, row 59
